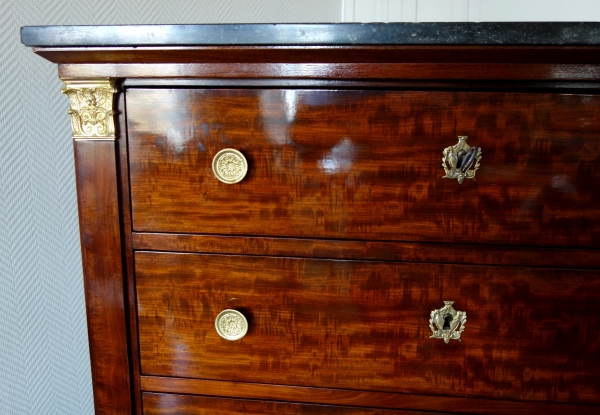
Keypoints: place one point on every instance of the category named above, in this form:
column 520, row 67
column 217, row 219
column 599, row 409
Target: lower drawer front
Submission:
column 531, row 333
column 167, row 404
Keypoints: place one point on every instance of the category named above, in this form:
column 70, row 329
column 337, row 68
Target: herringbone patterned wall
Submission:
column 44, row 360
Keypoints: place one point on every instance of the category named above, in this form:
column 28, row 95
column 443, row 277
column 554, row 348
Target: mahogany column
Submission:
column 98, row 198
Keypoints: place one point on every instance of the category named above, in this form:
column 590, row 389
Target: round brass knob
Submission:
column 229, row 166
column 231, row 324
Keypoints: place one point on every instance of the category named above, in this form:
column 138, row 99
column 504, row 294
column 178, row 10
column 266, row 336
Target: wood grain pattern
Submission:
column 99, row 223
column 357, row 398
column 413, row 71
column 127, row 254
column 393, row 84
column 531, row 334
column 373, row 250
column 367, row 165
column 163, row 404
column 323, row 54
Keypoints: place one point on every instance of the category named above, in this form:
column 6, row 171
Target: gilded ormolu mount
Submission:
column 447, row 323
column 92, row 115
column 461, row 161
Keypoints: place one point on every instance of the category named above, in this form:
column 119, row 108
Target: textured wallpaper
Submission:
column 470, row 10
column 44, row 359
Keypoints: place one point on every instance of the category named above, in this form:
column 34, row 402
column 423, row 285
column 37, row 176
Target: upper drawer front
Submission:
column 367, row 165
column 530, row 333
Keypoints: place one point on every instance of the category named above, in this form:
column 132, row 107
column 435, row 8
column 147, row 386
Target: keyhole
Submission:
column 447, row 319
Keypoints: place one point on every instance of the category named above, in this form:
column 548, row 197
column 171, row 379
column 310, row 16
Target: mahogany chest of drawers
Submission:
column 340, row 219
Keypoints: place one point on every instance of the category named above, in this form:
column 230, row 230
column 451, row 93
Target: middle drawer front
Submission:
column 531, row 333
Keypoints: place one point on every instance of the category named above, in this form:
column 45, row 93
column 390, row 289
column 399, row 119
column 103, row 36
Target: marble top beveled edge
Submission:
column 456, row 33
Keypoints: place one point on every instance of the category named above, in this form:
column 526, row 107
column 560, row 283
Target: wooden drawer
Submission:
column 367, row 164
column 531, row 333
column 172, row 404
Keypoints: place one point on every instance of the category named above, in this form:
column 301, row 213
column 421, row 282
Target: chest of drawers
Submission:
column 340, row 219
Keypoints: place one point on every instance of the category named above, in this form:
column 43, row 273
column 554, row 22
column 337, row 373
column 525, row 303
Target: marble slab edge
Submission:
column 460, row 33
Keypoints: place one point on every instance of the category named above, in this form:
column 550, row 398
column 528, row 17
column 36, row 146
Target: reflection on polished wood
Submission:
column 366, row 165
column 544, row 55
column 412, row 71
column 97, row 187
column 163, row 404
column 356, row 398
column 375, row 250
column 365, row 325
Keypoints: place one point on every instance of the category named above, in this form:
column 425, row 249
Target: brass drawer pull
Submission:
column 229, row 166
column 231, row 324
column 461, row 161
column 447, row 323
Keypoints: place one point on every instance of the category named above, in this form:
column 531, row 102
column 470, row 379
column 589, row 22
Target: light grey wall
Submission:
column 44, row 360
column 470, row 10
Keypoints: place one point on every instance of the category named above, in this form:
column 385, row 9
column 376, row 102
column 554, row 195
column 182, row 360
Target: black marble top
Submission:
column 505, row 33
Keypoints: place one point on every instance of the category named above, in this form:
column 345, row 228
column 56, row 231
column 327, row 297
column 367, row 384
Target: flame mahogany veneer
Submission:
column 343, row 236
